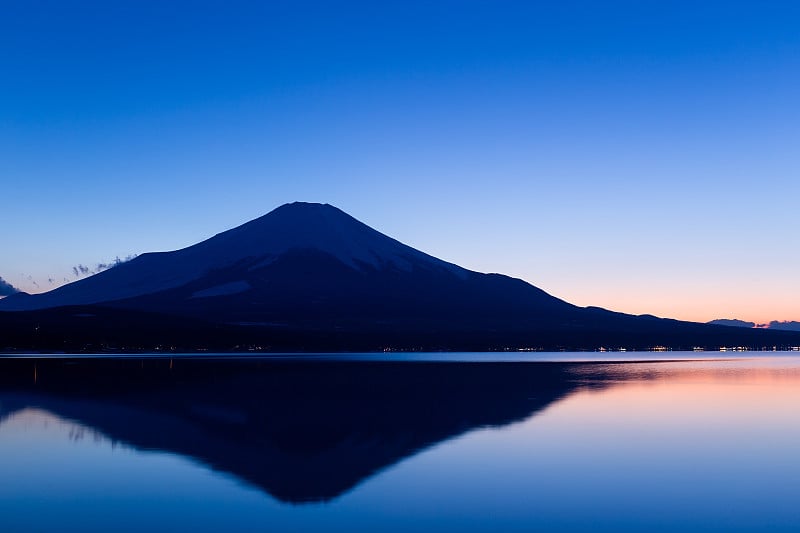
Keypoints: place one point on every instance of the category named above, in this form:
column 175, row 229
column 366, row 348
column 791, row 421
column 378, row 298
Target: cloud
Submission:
column 116, row 262
column 6, row 289
column 83, row 270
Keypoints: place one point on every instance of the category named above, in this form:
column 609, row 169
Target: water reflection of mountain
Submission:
column 302, row 431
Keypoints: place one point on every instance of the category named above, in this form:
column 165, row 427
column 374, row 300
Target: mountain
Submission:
column 785, row 325
column 300, row 262
column 311, row 257
column 732, row 322
column 311, row 277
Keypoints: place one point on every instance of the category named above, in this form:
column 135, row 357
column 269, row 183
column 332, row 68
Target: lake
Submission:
column 399, row 442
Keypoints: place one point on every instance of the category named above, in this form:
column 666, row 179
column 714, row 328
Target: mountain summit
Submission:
column 323, row 228
column 311, row 277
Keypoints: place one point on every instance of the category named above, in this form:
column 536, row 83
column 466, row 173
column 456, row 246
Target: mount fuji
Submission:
column 299, row 260
column 309, row 276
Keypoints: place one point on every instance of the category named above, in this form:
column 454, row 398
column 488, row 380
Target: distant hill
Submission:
column 775, row 324
column 732, row 322
column 786, row 326
column 311, row 277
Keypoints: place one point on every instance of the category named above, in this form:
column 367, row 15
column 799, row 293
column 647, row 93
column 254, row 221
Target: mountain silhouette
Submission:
column 311, row 277
column 732, row 322
column 787, row 325
column 300, row 260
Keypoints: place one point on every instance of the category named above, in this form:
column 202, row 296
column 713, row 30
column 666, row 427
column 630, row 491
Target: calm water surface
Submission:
column 210, row 445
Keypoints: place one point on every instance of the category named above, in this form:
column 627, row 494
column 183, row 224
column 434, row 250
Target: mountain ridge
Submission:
column 311, row 277
column 785, row 325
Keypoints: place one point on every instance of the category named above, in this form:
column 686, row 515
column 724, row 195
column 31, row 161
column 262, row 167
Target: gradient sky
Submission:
column 639, row 156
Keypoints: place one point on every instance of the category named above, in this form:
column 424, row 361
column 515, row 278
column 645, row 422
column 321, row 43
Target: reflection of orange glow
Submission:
column 683, row 395
column 752, row 370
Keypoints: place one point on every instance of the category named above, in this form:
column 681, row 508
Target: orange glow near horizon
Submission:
column 694, row 303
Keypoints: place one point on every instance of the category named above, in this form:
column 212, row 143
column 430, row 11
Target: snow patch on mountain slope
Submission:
column 226, row 289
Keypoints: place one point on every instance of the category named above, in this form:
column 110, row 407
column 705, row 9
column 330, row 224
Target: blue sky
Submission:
column 639, row 156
